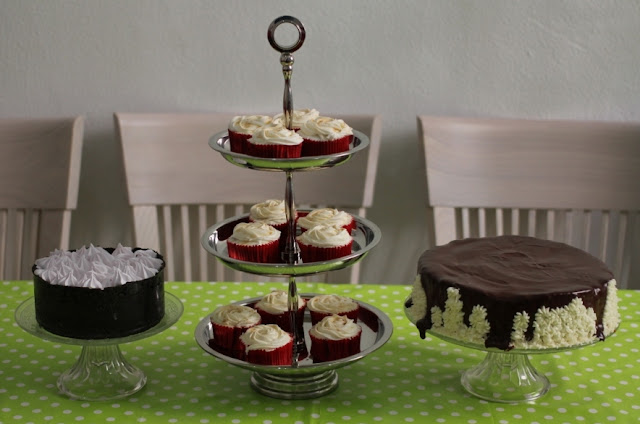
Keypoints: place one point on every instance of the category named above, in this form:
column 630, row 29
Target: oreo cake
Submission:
column 96, row 293
column 511, row 292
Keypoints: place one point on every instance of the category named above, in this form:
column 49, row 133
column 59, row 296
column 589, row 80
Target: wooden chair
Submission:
column 178, row 187
column 39, row 178
column 570, row 181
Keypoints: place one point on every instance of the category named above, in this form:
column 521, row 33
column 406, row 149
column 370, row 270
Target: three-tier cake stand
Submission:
column 303, row 378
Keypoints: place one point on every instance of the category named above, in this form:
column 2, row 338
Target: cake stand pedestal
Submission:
column 101, row 371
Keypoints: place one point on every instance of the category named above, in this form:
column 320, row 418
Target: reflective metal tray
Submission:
column 365, row 237
column 220, row 143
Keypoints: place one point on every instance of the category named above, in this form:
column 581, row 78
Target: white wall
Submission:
column 541, row 59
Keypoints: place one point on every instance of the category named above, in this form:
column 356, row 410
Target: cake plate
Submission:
column 101, row 371
column 305, row 379
column 503, row 376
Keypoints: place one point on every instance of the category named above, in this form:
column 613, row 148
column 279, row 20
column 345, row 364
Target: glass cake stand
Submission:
column 305, row 379
column 101, row 371
column 503, row 376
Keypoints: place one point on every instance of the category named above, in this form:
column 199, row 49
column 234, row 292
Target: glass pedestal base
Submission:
column 505, row 377
column 101, row 373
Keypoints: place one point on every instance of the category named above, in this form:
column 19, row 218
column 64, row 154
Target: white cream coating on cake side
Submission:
column 325, row 236
column 94, row 267
column 331, row 303
column 275, row 133
column 247, row 124
column 325, row 216
column 325, row 129
column 265, row 337
column 299, row 117
column 277, row 302
column 570, row 325
column 254, row 233
column 235, row 316
column 270, row 212
column 335, row 327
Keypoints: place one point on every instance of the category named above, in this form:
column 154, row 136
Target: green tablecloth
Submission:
column 407, row 380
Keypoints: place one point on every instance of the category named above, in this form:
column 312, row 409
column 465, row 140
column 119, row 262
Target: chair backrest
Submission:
column 39, row 179
column 178, row 187
column 571, row 181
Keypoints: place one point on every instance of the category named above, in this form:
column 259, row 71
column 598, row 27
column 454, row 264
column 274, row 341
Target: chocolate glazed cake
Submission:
column 514, row 291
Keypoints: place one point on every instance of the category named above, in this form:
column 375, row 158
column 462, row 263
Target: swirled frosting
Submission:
column 277, row 302
column 96, row 268
column 299, row 117
column 331, row 303
column 247, row 124
column 325, row 128
column 254, row 233
column 235, row 316
column 335, row 327
column 326, row 216
column 265, row 337
column 325, row 236
column 270, row 212
column 275, row 133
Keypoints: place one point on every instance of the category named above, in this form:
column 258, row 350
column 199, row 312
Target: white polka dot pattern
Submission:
column 408, row 380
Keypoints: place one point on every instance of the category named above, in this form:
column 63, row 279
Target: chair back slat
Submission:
column 569, row 181
column 39, row 180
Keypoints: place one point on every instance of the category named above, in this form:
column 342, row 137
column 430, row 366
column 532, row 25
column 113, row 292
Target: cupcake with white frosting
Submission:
column 228, row 323
column 324, row 243
column 335, row 337
column 274, row 309
column 327, row 216
column 267, row 344
column 324, row 305
column 325, row 136
column 241, row 128
column 272, row 212
column 274, row 141
column 254, row 242
column 298, row 118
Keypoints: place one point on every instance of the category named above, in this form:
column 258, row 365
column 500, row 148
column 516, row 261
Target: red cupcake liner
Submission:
column 310, row 253
column 238, row 141
column 273, row 150
column 262, row 253
column 324, row 350
column 316, row 316
column 327, row 147
column 279, row 356
column 227, row 340
column 282, row 320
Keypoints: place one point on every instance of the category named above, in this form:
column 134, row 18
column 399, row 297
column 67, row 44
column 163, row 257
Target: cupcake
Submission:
column 274, row 141
column 325, row 136
column 324, row 243
column 300, row 116
column 228, row 323
column 331, row 304
column 254, row 242
column 327, row 216
column 272, row 212
column 335, row 337
column 274, row 309
column 267, row 344
column 241, row 128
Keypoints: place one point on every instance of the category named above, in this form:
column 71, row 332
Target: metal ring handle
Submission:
column 272, row 30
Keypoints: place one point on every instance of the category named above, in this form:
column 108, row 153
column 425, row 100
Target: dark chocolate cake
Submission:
column 514, row 291
column 94, row 313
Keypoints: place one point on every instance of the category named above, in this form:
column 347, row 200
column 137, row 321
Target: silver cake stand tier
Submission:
column 306, row 379
column 365, row 237
column 220, row 143
column 503, row 376
column 101, row 371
